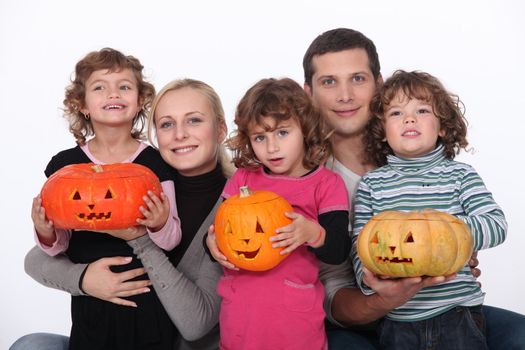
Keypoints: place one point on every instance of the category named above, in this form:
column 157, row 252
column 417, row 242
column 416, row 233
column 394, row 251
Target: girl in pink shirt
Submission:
column 279, row 146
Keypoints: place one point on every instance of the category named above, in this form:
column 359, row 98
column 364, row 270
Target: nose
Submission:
column 114, row 92
column 272, row 145
column 345, row 93
column 180, row 133
column 410, row 118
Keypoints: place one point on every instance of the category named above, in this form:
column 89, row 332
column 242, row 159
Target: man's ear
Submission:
column 308, row 89
column 379, row 80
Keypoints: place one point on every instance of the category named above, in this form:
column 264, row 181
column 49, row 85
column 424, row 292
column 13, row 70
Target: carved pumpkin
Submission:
column 417, row 243
column 243, row 225
column 97, row 197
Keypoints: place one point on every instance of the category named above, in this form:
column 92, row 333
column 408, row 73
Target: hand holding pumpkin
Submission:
column 211, row 242
column 298, row 232
column 157, row 212
column 44, row 228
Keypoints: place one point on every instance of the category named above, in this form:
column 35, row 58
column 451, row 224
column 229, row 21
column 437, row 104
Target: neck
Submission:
column 350, row 152
column 113, row 147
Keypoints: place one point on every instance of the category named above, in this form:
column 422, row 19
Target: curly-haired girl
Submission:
column 280, row 145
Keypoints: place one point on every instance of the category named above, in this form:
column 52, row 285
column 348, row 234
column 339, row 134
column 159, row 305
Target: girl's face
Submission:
column 188, row 132
column 112, row 98
column 281, row 149
column 411, row 127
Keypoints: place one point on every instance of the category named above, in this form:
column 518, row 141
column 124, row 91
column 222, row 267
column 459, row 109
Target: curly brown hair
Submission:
column 113, row 61
column 280, row 99
column 447, row 107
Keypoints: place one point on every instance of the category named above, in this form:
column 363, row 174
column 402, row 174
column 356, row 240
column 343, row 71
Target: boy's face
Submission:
column 342, row 87
column 411, row 127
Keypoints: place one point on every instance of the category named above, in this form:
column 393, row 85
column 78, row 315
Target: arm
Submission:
column 187, row 293
column 161, row 217
column 346, row 305
column 483, row 215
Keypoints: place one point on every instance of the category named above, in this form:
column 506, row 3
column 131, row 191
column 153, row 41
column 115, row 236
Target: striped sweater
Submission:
column 431, row 181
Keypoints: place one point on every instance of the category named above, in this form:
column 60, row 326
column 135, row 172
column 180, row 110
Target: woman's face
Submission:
column 188, row 132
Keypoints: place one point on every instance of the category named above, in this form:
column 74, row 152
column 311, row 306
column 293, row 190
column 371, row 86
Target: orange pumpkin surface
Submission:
column 243, row 225
column 97, row 197
column 417, row 243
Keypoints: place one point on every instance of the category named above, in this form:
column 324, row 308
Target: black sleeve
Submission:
column 336, row 247
column 69, row 156
column 151, row 158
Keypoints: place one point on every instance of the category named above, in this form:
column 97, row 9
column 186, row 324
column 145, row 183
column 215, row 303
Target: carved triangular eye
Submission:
column 108, row 195
column 258, row 228
column 409, row 238
column 228, row 228
column 76, row 196
column 374, row 239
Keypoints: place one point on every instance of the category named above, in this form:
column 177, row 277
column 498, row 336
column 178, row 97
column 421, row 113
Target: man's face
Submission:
column 342, row 87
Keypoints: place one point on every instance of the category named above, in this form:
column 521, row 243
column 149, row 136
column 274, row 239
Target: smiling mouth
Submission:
column 94, row 216
column 394, row 260
column 247, row 255
column 184, row 149
column 113, row 107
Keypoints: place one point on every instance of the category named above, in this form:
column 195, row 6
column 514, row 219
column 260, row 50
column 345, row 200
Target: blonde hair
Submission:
column 216, row 106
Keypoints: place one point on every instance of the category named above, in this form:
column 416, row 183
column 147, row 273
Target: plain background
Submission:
column 475, row 47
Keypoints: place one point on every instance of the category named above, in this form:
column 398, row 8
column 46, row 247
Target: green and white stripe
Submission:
column 431, row 181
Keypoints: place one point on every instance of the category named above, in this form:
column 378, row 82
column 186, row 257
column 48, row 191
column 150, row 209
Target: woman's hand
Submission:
column 215, row 252
column 102, row 283
column 300, row 231
column 157, row 212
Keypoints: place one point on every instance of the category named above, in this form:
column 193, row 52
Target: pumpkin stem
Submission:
column 244, row 191
column 97, row 168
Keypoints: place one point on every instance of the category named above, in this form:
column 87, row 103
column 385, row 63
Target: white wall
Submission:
column 475, row 47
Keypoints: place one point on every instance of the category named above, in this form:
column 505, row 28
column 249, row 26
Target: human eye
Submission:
column 282, row 132
column 125, row 87
column 194, row 120
column 166, row 124
column 393, row 113
column 258, row 138
column 97, row 87
column 328, row 81
column 424, row 110
column 358, row 78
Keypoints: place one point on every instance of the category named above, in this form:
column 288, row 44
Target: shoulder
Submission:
column 66, row 157
column 151, row 158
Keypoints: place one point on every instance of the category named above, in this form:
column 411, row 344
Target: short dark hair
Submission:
column 337, row 40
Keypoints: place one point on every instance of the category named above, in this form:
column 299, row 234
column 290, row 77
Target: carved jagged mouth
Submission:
column 247, row 255
column 395, row 260
column 94, row 216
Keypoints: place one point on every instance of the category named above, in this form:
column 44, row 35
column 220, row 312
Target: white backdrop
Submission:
column 475, row 47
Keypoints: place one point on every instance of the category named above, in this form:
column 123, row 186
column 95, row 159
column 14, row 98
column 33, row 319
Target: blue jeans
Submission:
column 461, row 328
column 41, row 341
column 505, row 331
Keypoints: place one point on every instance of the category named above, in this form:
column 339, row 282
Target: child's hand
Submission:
column 215, row 252
column 44, row 228
column 157, row 212
column 300, row 231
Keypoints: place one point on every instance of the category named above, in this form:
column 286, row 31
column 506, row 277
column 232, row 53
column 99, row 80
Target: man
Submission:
column 342, row 73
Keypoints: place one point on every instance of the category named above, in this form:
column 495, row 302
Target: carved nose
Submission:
column 392, row 249
column 91, row 206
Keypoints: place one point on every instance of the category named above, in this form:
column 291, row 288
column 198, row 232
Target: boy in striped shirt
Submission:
column 415, row 132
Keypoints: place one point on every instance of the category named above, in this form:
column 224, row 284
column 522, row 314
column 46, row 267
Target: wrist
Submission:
column 318, row 240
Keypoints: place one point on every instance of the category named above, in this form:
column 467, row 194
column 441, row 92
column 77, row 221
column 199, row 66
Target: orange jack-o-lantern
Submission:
column 417, row 243
column 243, row 225
column 98, row 197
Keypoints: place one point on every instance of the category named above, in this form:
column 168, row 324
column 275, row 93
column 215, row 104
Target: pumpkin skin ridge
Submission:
column 244, row 215
column 92, row 188
column 456, row 237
